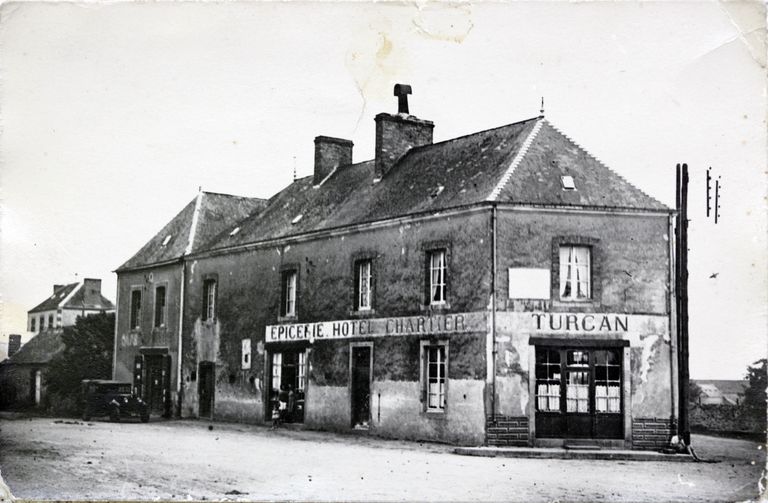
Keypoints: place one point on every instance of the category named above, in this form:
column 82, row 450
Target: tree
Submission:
column 694, row 392
column 88, row 347
column 754, row 395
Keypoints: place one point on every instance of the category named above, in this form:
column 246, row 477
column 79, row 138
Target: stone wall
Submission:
column 507, row 431
column 652, row 433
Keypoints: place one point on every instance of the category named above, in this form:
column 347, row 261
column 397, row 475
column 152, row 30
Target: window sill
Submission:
column 434, row 414
column 287, row 319
column 435, row 308
column 585, row 304
column 362, row 313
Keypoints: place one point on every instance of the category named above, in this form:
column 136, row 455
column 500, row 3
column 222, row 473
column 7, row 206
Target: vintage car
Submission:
column 113, row 399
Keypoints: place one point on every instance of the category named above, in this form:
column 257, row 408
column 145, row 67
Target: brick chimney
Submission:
column 14, row 344
column 91, row 291
column 330, row 153
column 396, row 134
column 56, row 287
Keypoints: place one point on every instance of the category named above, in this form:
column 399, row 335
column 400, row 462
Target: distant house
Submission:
column 721, row 392
column 22, row 375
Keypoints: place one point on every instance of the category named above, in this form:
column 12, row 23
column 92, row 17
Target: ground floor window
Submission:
column 435, row 375
column 288, row 384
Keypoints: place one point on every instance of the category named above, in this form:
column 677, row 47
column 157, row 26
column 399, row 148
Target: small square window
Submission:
column 575, row 273
column 567, row 182
column 245, row 354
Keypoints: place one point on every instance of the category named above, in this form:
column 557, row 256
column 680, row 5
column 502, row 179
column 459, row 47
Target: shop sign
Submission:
column 580, row 322
column 440, row 324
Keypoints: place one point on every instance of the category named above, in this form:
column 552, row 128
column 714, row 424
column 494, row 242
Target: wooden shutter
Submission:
column 167, row 385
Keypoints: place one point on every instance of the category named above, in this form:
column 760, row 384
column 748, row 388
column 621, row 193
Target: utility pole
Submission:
column 681, row 280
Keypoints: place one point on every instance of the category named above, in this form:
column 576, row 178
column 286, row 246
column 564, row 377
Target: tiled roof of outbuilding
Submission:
column 215, row 212
column 449, row 174
column 39, row 349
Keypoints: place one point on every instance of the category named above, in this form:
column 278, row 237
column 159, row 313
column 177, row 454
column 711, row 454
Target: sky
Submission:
column 114, row 114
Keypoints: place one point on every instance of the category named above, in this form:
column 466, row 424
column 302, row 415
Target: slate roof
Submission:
column 39, row 349
column 215, row 212
column 518, row 163
column 76, row 301
column 52, row 302
column 725, row 386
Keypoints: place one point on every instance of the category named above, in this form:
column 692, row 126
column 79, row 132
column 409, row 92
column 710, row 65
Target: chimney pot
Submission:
column 330, row 153
column 56, row 287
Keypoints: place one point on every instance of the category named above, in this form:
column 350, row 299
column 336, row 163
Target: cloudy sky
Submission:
column 114, row 114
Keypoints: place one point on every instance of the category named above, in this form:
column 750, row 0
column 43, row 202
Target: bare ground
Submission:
column 45, row 458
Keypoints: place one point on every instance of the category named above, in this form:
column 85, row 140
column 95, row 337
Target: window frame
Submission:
column 428, row 249
column 209, row 301
column 358, row 290
column 570, row 283
column 134, row 321
column 286, row 273
column 595, row 271
column 425, row 346
column 163, row 312
column 32, row 324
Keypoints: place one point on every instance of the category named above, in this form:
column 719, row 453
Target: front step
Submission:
column 582, row 447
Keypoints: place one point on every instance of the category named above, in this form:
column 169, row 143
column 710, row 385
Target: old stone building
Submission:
column 503, row 287
column 23, row 375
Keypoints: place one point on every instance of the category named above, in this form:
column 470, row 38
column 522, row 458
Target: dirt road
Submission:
column 44, row 458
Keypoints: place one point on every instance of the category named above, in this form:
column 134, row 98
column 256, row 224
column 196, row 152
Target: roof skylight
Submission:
column 234, row 231
column 567, row 182
column 297, row 219
column 165, row 241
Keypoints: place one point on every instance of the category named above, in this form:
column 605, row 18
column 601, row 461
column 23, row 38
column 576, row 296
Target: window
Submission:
column 50, row 321
column 288, row 304
column 575, row 273
column 160, row 311
column 577, row 384
column 32, row 324
column 363, row 284
column 547, row 380
column 607, row 382
column 277, row 366
column 136, row 309
column 245, row 354
column 567, row 182
column 435, row 376
column 436, row 275
column 42, row 323
column 209, row 299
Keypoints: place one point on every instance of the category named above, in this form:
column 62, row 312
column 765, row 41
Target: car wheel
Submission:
column 114, row 414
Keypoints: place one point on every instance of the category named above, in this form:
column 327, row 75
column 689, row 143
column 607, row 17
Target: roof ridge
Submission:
column 208, row 192
column 424, row 147
column 604, row 165
column 193, row 225
column 519, row 156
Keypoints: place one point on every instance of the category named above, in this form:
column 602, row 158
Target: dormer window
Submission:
column 567, row 182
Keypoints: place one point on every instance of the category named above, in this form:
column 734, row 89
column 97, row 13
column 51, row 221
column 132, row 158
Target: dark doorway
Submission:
column 288, row 380
column 206, row 385
column 155, row 392
column 579, row 393
column 361, row 386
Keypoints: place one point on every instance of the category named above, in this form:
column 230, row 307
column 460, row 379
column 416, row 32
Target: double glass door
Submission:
column 578, row 393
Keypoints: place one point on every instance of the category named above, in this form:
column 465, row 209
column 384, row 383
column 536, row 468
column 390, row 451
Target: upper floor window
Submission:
column 288, row 301
column 436, row 276
column 42, row 323
column 209, row 299
column 363, row 284
column 575, row 273
column 135, row 308
column 50, row 321
column 32, row 324
column 160, row 310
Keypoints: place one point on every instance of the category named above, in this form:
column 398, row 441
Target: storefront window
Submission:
column 547, row 380
column 577, row 392
column 607, row 382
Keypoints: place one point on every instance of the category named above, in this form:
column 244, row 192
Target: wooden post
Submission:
column 681, row 261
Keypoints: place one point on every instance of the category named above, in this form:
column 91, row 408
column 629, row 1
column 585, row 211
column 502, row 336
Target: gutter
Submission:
column 183, row 265
column 493, row 313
